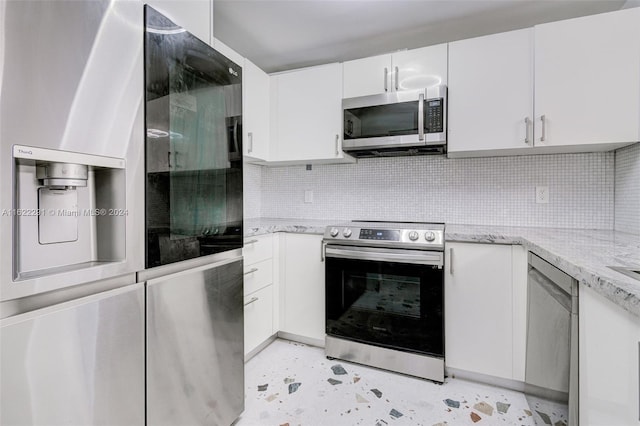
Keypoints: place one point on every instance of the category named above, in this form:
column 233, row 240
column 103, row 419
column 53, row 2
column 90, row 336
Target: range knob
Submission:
column 429, row 236
column 334, row 232
column 413, row 235
column 346, row 232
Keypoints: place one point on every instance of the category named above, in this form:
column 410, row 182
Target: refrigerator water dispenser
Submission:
column 70, row 211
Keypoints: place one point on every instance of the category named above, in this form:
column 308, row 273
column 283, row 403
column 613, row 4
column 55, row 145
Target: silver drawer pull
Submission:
column 253, row 299
column 251, row 271
column 250, row 242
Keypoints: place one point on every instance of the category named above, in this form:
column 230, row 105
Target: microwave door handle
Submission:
column 421, row 117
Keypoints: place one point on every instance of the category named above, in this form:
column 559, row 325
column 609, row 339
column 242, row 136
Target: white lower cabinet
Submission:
column 609, row 360
column 259, row 290
column 485, row 309
column 302, row 287
column 258, row 318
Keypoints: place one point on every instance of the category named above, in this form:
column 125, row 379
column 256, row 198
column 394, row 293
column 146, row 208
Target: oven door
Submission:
column 391, row 298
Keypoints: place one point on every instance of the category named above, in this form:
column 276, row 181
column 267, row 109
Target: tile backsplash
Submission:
column 252, row 176
column 627, row 189
column 491, row 191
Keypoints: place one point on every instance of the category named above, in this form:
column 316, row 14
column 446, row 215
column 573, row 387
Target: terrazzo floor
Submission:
column 292, row 384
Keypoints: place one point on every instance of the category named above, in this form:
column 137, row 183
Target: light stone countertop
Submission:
column 583, row 254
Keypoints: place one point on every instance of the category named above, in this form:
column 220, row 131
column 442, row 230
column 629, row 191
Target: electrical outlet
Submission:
column 542, row 194
column 308, row 196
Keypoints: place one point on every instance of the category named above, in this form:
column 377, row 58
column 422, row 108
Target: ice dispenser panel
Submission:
column 59, row 195
column 70, row 211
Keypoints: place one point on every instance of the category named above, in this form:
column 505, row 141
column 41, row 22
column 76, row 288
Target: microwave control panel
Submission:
column 434, row 115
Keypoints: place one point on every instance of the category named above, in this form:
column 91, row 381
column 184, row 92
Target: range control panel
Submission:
column 380, row 234
column 407, row 234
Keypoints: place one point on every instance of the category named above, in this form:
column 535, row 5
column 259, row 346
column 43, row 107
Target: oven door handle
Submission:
column 418, row 257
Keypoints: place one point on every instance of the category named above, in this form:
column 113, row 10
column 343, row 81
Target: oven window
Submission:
column 393, row 305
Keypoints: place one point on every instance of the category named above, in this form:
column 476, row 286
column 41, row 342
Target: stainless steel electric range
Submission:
column 385, row 296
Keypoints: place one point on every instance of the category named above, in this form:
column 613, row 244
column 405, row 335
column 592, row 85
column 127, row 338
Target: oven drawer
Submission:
column 257, row 275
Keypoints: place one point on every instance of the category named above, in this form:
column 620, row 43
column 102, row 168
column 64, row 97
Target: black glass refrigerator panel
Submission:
column 193, row 122
column 393, row 305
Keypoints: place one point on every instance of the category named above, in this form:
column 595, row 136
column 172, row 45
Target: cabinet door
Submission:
column 478, row 308
column 367, row 76
column 419, row 68
column 256, row 112
column 491, row 93
column 302, row 308
column 587, row 80
column 195, row 16
column 609, row 358
column 307, row 117
column 258, row 318
column 257, row 248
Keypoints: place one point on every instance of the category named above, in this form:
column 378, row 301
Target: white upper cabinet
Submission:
column 195, row 16
column 587, row 80
column 491, row 93
column 256, row 106
column 367, row 76
column 228, row 52
column 306, row 123
column 575, row 82
column 419, row 68
column 404, row 70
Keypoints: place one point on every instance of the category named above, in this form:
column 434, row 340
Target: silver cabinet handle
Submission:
column 337, row 142
column 420, row 116
column 169, row 158
column 397, row 77
column 250, row 242
column 544, row 127
column 386, row 76
column 527, row 123
column 250, row 136
column 253, row 299
column 323, row 250
column 251, row 271
column 451, row 261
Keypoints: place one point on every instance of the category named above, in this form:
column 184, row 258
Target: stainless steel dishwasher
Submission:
column 551, row 374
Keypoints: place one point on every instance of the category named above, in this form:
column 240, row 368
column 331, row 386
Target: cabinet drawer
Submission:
column 257, row 249
column 257, row 276
column 258, row 318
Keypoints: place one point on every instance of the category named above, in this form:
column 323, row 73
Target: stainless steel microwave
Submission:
column 396, row 123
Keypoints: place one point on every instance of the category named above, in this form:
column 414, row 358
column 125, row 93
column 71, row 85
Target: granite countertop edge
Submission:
column 622, row 290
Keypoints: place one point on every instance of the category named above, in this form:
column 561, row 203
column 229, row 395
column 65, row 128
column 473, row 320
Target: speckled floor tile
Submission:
column 335, row 392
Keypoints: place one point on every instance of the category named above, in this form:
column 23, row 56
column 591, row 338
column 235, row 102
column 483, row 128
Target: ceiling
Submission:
column 282, row 35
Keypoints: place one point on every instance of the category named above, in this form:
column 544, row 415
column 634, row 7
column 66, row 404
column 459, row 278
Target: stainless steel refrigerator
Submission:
column 194, row 279
column 72, row 221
